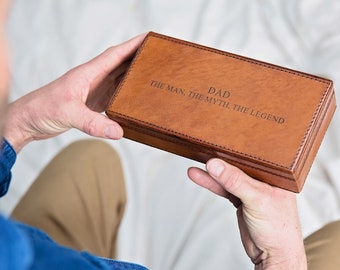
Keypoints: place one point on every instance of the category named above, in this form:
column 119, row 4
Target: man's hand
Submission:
column 267, row 216
column 75, row 100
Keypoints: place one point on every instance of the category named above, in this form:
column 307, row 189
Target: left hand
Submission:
column 75, row 100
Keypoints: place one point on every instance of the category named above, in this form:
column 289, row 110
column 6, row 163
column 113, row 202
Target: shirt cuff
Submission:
column 7, row 160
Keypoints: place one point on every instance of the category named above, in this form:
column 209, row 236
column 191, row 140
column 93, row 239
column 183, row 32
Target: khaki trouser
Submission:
column 79, row 200
column 323, row 248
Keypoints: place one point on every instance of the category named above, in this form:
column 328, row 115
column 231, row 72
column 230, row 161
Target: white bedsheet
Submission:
column 170, row 223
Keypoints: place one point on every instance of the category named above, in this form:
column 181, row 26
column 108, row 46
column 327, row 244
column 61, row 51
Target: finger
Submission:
column 203, row 179
column 112, row 58
column 99, row 97
column 236, row 181
column 96, row 124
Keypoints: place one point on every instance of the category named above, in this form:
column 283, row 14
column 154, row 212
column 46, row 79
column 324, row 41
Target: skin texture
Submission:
column 75, row 100
column 267, row 216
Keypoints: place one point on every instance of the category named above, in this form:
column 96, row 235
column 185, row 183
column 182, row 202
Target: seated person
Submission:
column 74, row 203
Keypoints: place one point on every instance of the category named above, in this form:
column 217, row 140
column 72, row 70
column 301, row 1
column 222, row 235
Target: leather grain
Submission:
column 199, row 102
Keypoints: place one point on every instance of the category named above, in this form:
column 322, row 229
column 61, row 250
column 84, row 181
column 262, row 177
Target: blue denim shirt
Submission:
column 23, row 247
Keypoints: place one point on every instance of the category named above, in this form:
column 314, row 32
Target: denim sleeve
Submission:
column 47, row 254
column 7, row 160
column 25, row 247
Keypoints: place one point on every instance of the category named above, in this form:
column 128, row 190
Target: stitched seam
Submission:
column 311, row 124
column 218, row 147
column 242, row 58
column 239, row 57
column 164, row 138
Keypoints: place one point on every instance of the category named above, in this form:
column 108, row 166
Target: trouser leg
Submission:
column 323, row 248
column 79, row 198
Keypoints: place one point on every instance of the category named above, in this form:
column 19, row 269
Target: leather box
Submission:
column 200, row 103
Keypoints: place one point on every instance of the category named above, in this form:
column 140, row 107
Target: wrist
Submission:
column 294, row 260
column 15, row 131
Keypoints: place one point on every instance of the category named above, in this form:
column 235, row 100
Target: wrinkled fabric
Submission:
column 7, row 160
column 24, row 247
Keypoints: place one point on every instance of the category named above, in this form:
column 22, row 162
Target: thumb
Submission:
column 97, row 125
column 235, row 181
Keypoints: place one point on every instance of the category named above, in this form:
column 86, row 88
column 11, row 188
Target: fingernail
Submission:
column 215, row 167
column 113, row 132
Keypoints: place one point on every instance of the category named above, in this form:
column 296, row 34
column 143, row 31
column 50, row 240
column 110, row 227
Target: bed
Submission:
column 170, row 223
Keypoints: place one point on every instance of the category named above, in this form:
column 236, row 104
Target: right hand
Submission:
column 267, row 216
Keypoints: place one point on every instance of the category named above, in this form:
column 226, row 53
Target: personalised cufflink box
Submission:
column 201, row 103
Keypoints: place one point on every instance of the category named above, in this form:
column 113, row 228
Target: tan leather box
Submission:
column 200, row 103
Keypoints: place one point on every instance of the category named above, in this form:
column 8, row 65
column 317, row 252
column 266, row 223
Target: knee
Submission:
column 322, row 247
column 91, row 160
column 333, row 229
column 330, row 233
column 92, row 147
